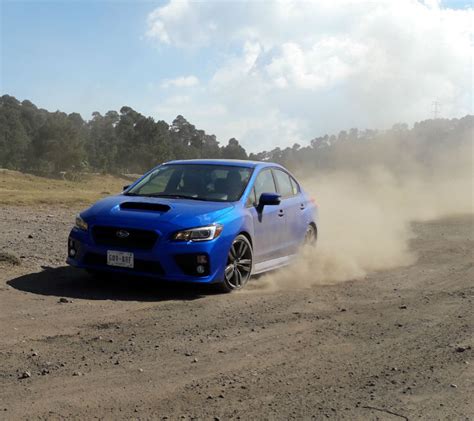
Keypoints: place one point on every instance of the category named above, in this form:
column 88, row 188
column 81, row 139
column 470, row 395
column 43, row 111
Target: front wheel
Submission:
column 238, row 266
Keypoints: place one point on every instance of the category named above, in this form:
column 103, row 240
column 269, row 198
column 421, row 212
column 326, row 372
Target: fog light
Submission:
column 201, row 259
column 72, row 252
column 200, row 269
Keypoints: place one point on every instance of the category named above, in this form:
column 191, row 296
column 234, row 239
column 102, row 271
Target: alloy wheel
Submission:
column 310, row 236
column 239, row 263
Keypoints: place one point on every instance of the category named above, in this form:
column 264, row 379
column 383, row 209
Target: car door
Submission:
column 268, row 223
column 292, row 206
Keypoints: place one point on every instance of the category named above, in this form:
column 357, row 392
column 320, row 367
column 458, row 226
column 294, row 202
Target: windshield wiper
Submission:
column 174, row 196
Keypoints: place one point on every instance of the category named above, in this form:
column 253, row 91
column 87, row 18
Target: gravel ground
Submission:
column 394, row 345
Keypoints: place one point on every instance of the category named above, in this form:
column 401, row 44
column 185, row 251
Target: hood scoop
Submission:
column 144, row 206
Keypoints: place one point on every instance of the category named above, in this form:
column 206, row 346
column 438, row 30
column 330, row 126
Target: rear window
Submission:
column 294, row 186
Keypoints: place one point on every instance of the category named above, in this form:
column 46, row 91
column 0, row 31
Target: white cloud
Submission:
column 322, row 65
column 161, row 18
column 177, row 22
column 181, row 82
column 291, row 70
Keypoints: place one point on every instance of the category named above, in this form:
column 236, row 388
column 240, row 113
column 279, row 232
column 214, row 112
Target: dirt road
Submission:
column 395, row 345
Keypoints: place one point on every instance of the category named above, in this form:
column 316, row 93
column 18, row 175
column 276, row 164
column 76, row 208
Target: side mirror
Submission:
column 268, row 199
column 126, row 187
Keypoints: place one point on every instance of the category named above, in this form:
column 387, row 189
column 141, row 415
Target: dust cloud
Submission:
column 365, row 215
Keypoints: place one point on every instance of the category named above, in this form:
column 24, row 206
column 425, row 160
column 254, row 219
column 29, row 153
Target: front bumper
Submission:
column 167, row 260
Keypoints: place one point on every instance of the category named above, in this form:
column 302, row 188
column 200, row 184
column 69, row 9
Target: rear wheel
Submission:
column 239, row 265
column 310, row 236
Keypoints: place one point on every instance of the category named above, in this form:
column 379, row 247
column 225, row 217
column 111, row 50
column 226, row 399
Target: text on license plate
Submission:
column 123, row 259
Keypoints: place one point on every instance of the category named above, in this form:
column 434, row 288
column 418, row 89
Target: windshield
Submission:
column 221, row 183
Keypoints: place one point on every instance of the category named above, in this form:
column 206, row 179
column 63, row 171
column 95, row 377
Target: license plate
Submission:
column 122, row 259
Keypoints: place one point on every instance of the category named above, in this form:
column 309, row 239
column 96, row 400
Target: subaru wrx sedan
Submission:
column 207, row 221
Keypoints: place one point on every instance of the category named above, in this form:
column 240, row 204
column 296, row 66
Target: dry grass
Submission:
column 17, row 188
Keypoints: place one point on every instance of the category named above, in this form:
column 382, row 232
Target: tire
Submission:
column 238, row 267
column 311, row 236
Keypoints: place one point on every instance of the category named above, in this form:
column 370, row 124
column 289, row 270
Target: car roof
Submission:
column 230, row 162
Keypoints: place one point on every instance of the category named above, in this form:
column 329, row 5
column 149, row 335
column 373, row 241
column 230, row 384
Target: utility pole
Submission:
column 436, row 107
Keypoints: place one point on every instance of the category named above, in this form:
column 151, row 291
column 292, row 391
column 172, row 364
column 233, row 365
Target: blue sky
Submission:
column 83, row 56
column 248, row 71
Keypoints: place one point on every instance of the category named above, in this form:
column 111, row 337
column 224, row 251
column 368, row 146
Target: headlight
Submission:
column 81, row 224
column 199, row 234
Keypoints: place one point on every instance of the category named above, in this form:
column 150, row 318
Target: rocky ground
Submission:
column 395, row 345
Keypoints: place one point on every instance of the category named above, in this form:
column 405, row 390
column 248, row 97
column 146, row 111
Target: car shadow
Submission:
column 69, row 282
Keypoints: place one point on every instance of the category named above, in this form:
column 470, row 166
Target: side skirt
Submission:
column 272, row 264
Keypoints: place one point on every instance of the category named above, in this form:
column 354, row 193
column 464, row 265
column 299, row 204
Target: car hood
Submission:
column 155, row 212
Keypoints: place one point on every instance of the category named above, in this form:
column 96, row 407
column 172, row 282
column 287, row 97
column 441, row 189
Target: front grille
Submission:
column 139, row 265
column 136, row 238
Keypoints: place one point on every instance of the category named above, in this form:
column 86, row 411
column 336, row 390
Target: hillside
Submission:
column 47, row 143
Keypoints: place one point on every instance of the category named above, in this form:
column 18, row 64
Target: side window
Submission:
column 264, row 183
column 251, row 199
column 294, row 186
column 284, row 184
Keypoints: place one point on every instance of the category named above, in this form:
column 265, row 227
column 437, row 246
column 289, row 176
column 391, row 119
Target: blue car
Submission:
column 208, row 221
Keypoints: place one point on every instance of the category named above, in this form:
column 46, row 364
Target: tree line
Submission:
column 48, row 143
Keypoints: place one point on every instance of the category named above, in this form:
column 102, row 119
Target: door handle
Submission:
column 281, row 213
